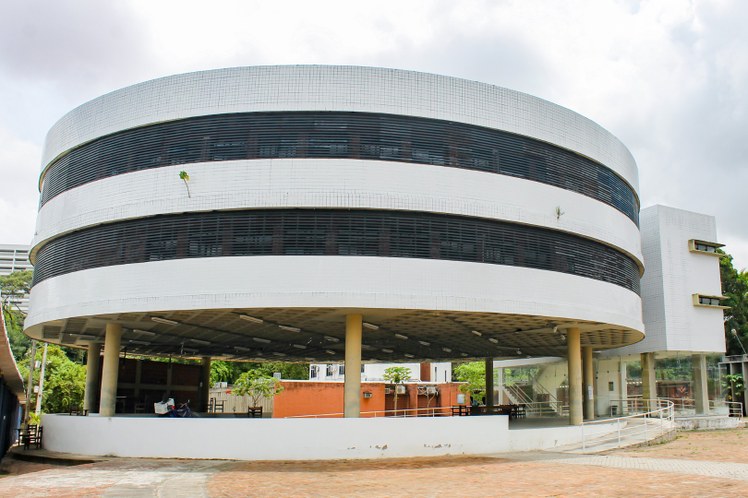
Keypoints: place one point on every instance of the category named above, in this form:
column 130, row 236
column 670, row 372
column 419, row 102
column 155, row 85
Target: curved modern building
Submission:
column 246, row 212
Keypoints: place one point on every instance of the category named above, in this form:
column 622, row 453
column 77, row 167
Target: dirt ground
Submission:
column 716, row 446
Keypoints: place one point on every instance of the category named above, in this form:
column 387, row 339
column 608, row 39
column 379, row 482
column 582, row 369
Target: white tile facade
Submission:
column 673, row 274
column 339, row 88
column 335, row 281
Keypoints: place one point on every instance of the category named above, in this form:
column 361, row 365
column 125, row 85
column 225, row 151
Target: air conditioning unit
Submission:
column 431, row 390
column 367, row 394
column 387, row 390
column 400, row 389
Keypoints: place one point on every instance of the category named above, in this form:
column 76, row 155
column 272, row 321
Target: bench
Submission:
column 254, row 412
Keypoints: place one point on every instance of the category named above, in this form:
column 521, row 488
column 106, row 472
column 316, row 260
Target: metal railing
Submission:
column 437, row 411
column 648, row 419
column 687, row 406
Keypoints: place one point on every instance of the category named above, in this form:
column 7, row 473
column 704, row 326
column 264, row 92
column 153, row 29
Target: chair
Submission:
column 218, row 406
column 32, row 436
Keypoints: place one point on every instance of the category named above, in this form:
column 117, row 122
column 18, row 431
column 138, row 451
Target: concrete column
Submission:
column 649, row 381
column 500, row 385
column 204, row 393
column 700, row 386
column 489, row 382
column 588, row 383
column 574, row 353
column 110, row 371
column 352, row 387
column 93, row 360
column 623, row 392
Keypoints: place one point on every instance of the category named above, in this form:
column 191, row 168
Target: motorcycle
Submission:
column 168, row 409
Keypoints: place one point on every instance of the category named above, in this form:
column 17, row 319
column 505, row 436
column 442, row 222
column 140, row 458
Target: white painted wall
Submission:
column 330, row 281
column 298, row 439
column 340, row 88
column 672, row 275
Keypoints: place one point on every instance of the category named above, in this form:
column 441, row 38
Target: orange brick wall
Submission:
column 318, row 398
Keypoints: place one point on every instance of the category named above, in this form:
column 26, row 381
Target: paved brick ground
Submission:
column 696, row 464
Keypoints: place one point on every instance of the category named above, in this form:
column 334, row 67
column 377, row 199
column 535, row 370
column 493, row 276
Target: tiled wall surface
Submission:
column 340, row 88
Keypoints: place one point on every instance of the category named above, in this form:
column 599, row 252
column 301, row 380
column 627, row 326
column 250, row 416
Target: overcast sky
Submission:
column 667, row 77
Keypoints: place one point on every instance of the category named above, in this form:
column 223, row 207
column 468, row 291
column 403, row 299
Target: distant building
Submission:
column 419, row 372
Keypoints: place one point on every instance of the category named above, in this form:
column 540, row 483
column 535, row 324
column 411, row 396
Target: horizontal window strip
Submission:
column 337, row 135
column 336, row 233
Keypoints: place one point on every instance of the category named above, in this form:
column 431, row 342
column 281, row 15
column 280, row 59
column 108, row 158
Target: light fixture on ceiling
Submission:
column 140, row 343
column 401, row 336
column 289, row 328
column 424, row 343
column 165, row 321
column 387, row 350
column 200, row 342
column 446, row 350
column 331, row 338
column 519, row 351
column 493, row 340
column 298, row 346
column 251, row 319
column 262, row 340
column 84, row 337
column 475, row 332
column 241, row 348
column 144, row 332
column 278, row 353
column 408, row 355
column 329, row 351
column 370, row 326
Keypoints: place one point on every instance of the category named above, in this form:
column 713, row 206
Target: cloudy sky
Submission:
column 667, row 77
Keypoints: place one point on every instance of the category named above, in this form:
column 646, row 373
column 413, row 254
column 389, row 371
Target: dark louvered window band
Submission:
column 337, row 135
column 333, row 232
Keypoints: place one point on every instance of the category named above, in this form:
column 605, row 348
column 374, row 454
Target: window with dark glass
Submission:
column 319, row 232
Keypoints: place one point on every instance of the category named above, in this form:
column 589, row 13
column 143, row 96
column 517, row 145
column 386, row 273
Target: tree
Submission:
column 12, row 288
column 735, row 288
column 256, row 384
column 474, row 376
column 396, row 376
column 64, row 380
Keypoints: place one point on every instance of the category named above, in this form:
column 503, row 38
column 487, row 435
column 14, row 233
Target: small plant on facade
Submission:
column 559, row 213
column 257, row 385
column 396, row 376
column 185, row 178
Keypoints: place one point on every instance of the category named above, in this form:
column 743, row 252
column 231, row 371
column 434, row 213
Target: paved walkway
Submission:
column 724, row 470
column 636, row 473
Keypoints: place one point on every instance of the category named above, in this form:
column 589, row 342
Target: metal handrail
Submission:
column 734, row 408
column 657, row 420
column 435, row 411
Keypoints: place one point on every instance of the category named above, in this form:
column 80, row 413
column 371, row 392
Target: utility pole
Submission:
column 40, row 394
column 30, row 383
